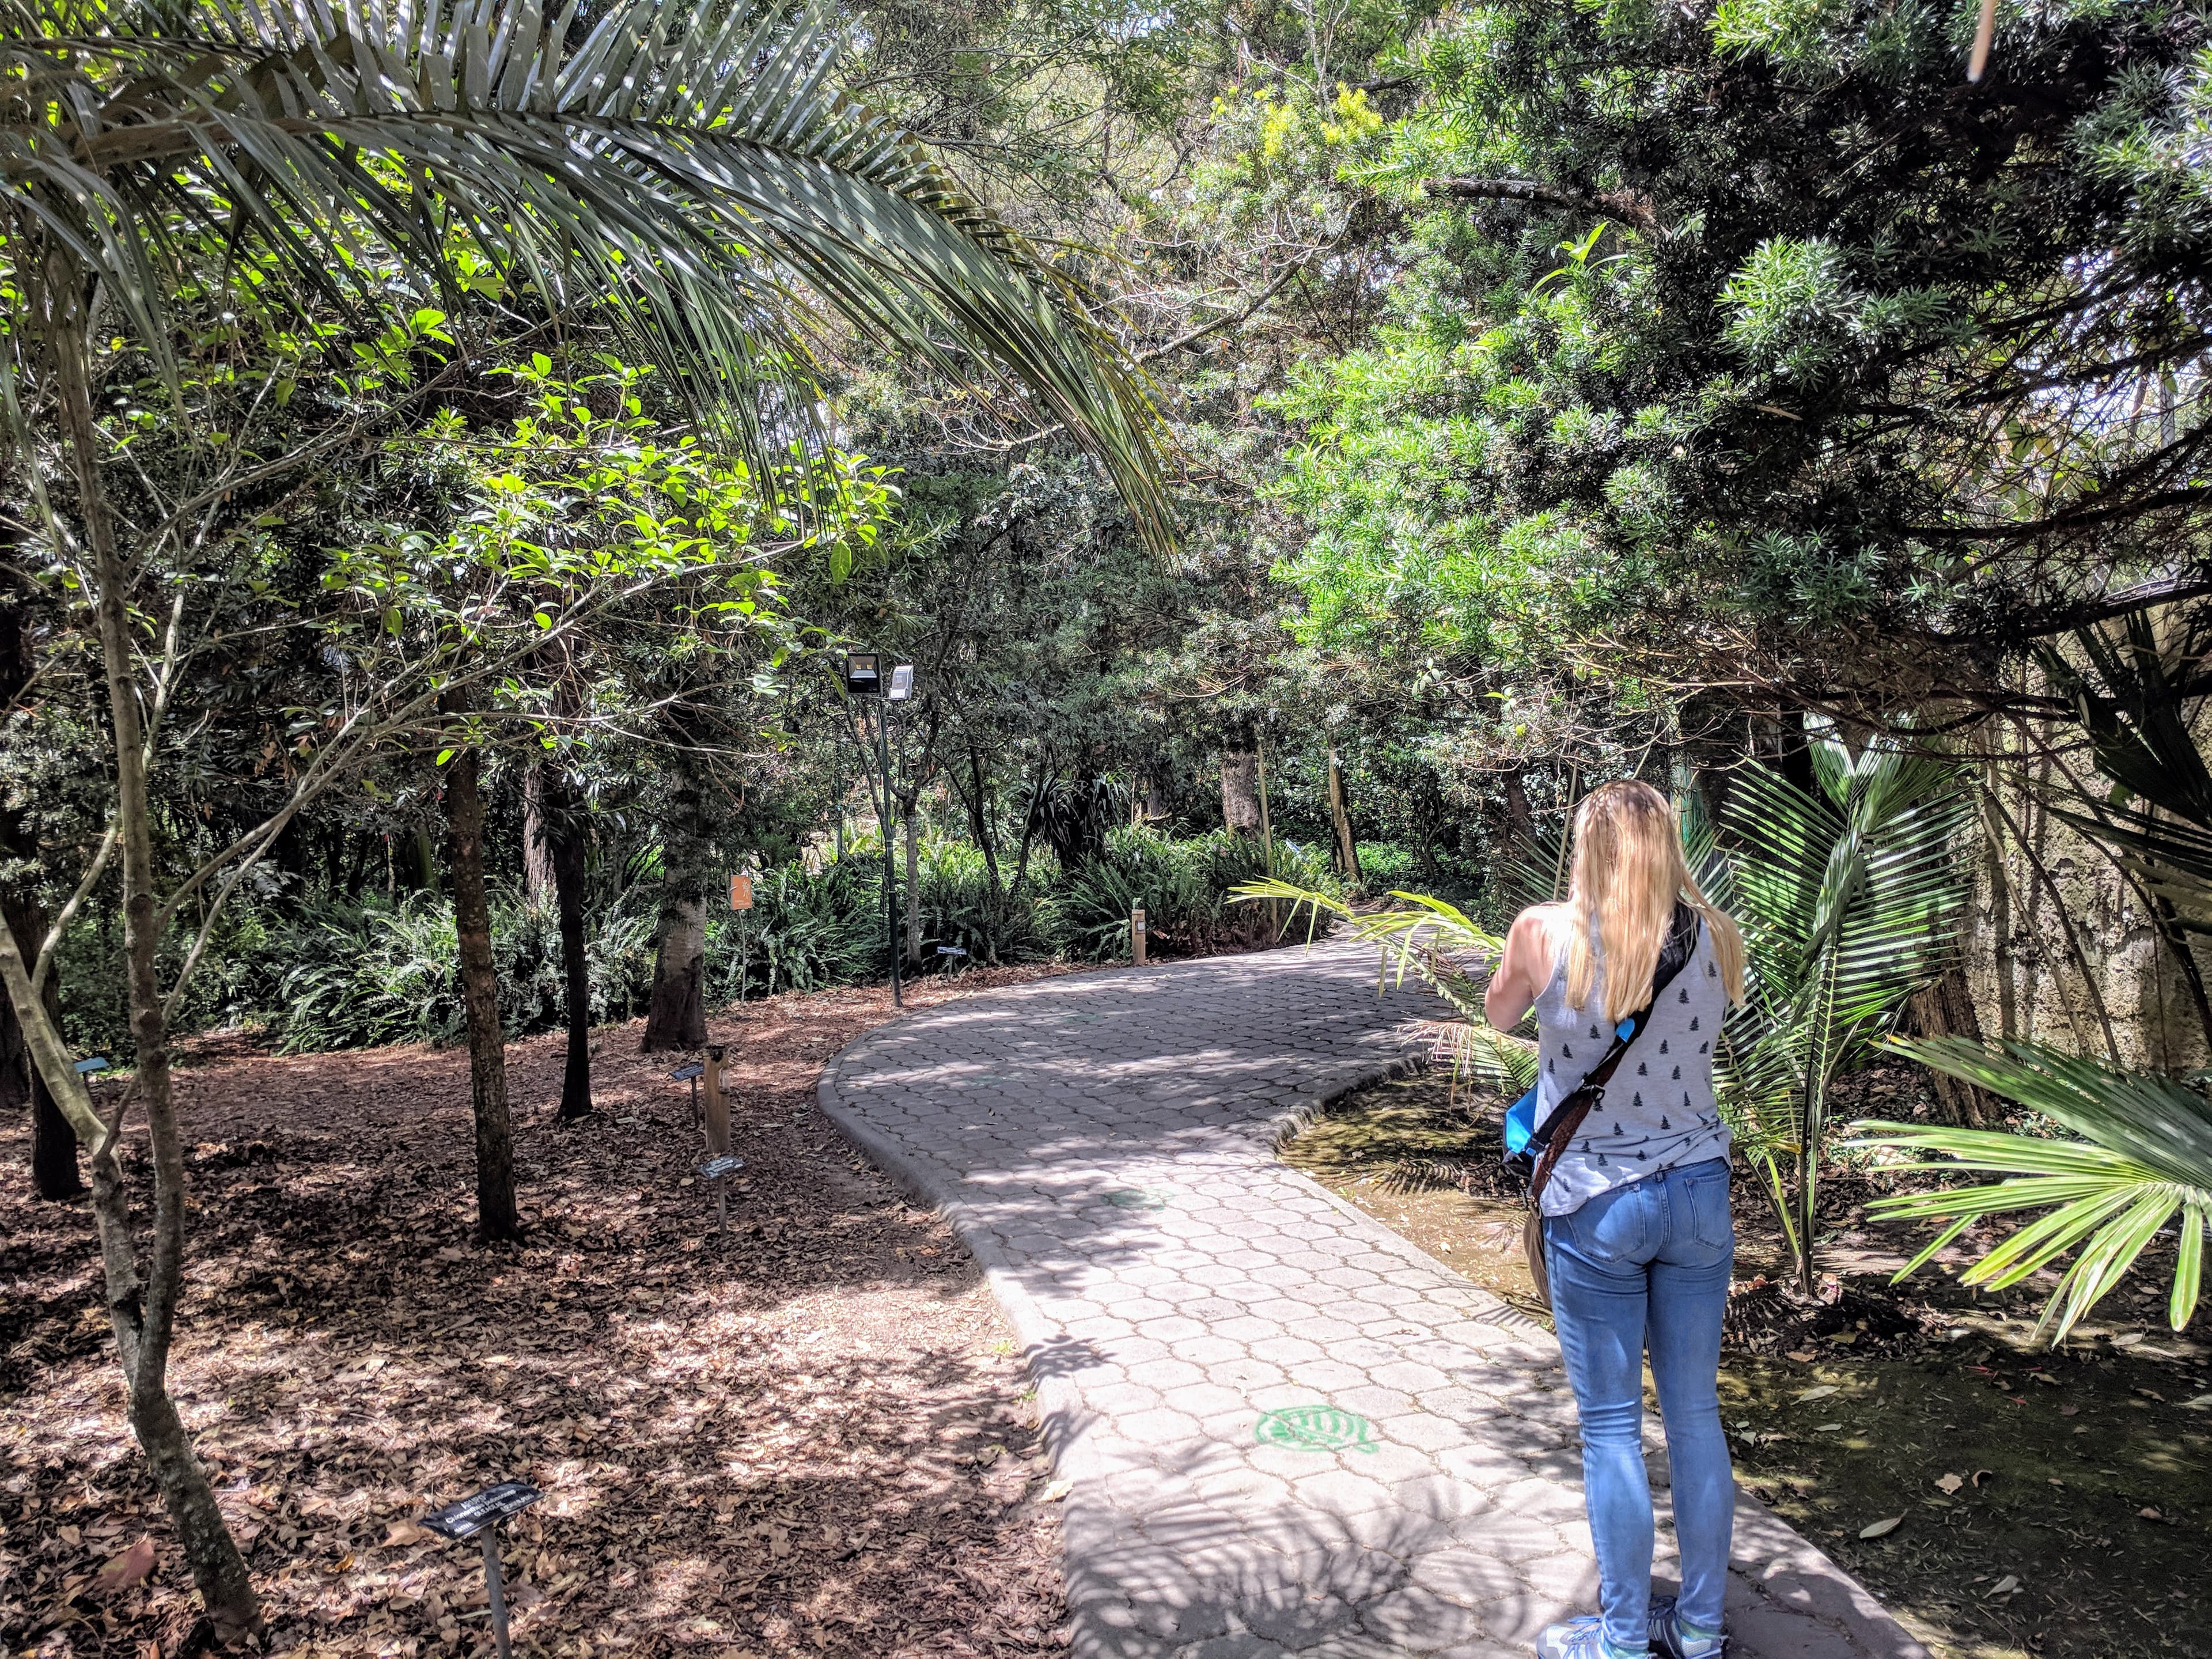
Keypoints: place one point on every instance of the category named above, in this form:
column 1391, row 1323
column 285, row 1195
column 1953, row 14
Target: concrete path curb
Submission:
column 1288, row 1430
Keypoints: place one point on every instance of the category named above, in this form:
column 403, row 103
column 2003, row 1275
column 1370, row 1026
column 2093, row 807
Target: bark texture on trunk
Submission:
column 565, row 857
column 676, row 1016
column 142, row 1313
column 1340, row 812
column 465, row 819
column 1946, row 1009
column 1240, row 787
column 538, row 878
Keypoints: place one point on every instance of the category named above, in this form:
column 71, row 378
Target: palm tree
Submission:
column 700, row 181
column 1851, row 898
column 2144, row 1155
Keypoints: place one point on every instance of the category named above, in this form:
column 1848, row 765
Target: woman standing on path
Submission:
column 1638, row 1236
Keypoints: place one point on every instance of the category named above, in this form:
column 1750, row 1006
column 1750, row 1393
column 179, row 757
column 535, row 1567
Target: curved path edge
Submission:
column 1119, row 1188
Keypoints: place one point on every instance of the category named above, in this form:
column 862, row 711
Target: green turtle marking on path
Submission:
column 1316, row 1428
column 1137, row 1198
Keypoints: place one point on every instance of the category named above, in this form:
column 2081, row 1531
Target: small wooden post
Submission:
column 718, row 1130
column 718, row 1109
column 1137, row 936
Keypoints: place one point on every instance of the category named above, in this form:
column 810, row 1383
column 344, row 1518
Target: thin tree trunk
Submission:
column 143, row 1315
column 913, row 887
column 565, row 835
column 465, row 819
column 54, row 1173
column 53, row 1144
column 1339, row 813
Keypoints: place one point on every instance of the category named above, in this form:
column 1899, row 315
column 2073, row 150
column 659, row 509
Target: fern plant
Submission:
column 2143, row 1162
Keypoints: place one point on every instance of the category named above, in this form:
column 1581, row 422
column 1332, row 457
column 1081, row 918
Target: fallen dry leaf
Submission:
column 1950, row 1483
column 1820, row 1391
column 126, row 1569
column 1882, row 1529
column 1802, row 1355
column 1058, row 1490
column 405, row 1534
column 2005, row 1586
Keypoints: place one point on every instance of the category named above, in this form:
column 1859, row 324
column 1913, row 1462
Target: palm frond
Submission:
column 2145, row 1157
column 706, row 182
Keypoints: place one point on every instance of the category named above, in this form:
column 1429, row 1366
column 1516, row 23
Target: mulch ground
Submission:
column 2006, row 1499
column 809, row 1435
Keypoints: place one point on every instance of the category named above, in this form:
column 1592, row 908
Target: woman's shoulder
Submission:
column 1540, row 925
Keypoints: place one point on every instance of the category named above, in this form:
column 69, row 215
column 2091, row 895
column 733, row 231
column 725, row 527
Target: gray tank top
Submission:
column 1658, row 1111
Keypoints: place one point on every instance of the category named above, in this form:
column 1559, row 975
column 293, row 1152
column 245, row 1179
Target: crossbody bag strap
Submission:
column 1557, row 1131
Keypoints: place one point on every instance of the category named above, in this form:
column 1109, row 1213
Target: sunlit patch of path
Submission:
column 1287, row 1431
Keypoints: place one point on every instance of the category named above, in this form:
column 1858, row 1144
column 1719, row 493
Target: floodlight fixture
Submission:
column 863, row 674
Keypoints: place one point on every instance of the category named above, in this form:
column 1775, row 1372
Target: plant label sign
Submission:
column 487, row 1508
column 714, row 1168
column 685, row 1073
column 741, row 891
column 952, row 951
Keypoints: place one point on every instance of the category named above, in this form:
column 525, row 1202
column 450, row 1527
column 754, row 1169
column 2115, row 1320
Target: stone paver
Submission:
column 1104, row 1143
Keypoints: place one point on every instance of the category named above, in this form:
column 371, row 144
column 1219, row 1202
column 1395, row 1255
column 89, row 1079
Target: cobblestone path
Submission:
column 1288, row 1430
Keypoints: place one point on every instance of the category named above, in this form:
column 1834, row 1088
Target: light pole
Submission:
column 864, row 678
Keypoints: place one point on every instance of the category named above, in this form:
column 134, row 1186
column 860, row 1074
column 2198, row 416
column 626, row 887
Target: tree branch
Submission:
column 1619, row 203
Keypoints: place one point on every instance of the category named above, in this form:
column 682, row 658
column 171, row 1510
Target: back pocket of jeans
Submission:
column 1711, row 1222
column 1613, row 1226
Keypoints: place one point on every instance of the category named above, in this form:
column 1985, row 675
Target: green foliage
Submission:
column 689, row 171
column 804, row 932
column 1851, row 900
column 2144, row 1155
column 1184, row 885
column 361, row 975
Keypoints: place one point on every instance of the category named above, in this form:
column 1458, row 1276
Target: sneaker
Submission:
column 1580, row 1639
column 1670, row 1639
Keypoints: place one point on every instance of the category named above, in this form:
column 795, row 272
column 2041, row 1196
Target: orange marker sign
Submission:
column 741, row 891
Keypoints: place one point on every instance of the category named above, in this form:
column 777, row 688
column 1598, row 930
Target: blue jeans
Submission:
column 1648, row 1263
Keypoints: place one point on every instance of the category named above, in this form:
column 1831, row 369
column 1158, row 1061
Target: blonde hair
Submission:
column 1628, row 872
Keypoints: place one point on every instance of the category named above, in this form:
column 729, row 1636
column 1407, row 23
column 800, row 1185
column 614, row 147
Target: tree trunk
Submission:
column 1240, row 785
column 143, row 1315
column 676, row 1018
column 565, row 857
column 1519, row 816
column 1339, row 813
column 53, row 1144
column 465, row 819
column 913, row 889
column 538, row 879
column 1946, row 1009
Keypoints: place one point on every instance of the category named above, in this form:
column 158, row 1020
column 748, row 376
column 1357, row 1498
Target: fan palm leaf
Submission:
column 699, row 175
column 2144, row 1158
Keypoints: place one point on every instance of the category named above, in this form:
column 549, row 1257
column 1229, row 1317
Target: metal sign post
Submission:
column 483, row 1514
column 718, row 1171
column 1137, row 936
column 690, row 1074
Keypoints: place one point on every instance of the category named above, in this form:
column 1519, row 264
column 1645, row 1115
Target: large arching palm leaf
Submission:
column 2145, row 1157
column 697, row 173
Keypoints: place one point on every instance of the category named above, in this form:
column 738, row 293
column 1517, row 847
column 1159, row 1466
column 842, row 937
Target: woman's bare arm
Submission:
column 1522, row 971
